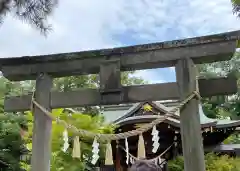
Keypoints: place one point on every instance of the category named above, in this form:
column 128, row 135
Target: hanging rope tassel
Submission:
column 108, row 156
column 65, row 139
column 127, row 151
column 76, row 153
column 141, row 148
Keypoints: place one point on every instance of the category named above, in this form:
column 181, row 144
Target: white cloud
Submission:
column 77, row 25
column 150, row 76
column 81, row 25
column 168, row 19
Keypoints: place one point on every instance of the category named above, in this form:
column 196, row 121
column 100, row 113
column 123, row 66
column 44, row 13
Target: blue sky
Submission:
column 83, row 25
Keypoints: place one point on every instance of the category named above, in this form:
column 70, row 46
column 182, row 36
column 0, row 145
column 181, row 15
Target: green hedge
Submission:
column 212, row 161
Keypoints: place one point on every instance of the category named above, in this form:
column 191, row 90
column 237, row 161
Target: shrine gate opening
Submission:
column 181, row 54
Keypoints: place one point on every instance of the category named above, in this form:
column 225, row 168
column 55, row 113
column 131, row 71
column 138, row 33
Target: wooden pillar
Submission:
column 41, row 150
column 118, row 159
column 189, row 117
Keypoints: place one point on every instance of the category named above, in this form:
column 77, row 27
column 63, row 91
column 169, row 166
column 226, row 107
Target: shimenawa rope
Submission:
column 110, row 137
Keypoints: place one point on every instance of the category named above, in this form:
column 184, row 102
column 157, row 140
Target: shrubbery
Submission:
column 213, row 163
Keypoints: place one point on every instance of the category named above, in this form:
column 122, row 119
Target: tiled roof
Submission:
column 117, row 113
column 227, row 147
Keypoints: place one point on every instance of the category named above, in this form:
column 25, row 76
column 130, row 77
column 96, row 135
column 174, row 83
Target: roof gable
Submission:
column 120, row 113
column 115, row 113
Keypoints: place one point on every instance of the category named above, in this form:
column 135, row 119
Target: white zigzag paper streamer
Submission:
column 65, row 139
column 95, row 152
column 155, row 139
column 127, row 150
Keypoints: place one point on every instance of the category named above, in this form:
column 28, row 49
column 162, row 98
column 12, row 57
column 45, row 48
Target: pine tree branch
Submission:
column 236, row 7
column 34, row 12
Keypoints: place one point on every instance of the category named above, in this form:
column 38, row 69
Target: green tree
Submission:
column 11, row 143
column 64, row 161
column 236, row 7
column 11, row 125
column 212, row 161
column 223, row 106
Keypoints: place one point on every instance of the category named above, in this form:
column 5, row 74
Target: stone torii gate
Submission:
column 182, row 54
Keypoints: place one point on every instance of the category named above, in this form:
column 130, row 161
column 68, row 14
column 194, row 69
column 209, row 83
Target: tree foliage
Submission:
column 11, row 143
column 34, row 12
column 223, row 106
column 212, row 161
column 236, row 7
column 64, row 161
